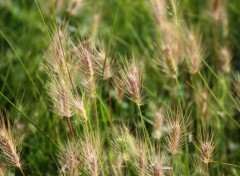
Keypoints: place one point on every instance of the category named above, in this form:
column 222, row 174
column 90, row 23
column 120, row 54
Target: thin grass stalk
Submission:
column 96, row 113
column 145, row 132
column 219, row 104
column 226, row 164
column 217, row 77
column 23, row 174
column 25, row 70
column 70, row 128
column 198, row 125
column 30, row 121
column 109, row 43
column 109, row 97
column 171, row 165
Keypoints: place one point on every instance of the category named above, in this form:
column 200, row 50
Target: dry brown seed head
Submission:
column 194, row 52
column 169, row 65
column 130, row 81
column 175, row 137
column 157, row 169
column 79, row 108
column 179, row 126
column 8, row 145
column 219, row 13
column 159, row 10
column 86, row 67
column 61, row 97
column 75, row 6
column 100, row 60
column 70, row 160
column 225, row 58
column 207, row 146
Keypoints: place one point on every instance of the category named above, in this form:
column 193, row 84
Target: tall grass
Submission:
column 119, row 88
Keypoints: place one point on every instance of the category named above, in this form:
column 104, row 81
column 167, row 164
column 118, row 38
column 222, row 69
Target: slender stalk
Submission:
column 219, row 104
column 20, row 168
column 171, row 165
column 145, row 132
column 109, row 43
column 70, row 128
column 227, row 164
column 206, row 169
column 96, row 113
column 109, row 98
column 30, row 121
column 25, row 70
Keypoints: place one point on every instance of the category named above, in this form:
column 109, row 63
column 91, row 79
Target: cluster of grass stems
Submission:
column 89, row 86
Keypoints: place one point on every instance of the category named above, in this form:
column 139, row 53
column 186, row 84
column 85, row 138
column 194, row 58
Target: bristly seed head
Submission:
column 168, row 64
column 8, row 145
column 61, row 97
column 207, row 146
column 79, row 108
column 86, row 68
column 178, row 124
column 103, row 62
column 74, row 7
column 159, row 10
column 195, row 52
column 70, row 160
column 130, row 81
column 157, row 169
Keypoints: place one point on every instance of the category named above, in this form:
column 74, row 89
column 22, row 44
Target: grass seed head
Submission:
column 70, row 160
column 130, row 81
column 79, row 108
column 90, row 148
column 168, row 64
column 159, row 10
column 86, row 67
column 194, row 52
column 207, row 146
column 8, row 145
column 225, row 58
column 75, row 6
column 61, row 97
column 103, row 62
column 178, row 124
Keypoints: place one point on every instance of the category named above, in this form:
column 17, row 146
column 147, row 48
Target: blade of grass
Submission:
column 219, row 104
column 30, row 121
column 25, row 69
column 109, row 44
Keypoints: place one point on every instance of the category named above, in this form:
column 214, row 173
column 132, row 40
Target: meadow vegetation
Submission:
column 119, row 87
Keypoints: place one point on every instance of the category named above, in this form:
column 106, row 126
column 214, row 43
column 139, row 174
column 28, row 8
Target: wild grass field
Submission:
column 120, row 87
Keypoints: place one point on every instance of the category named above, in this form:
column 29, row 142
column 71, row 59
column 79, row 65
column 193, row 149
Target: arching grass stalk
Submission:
column 29, row 120
column 25, row 69
column 227, row 164
column 217, row 77
column 219, row 104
